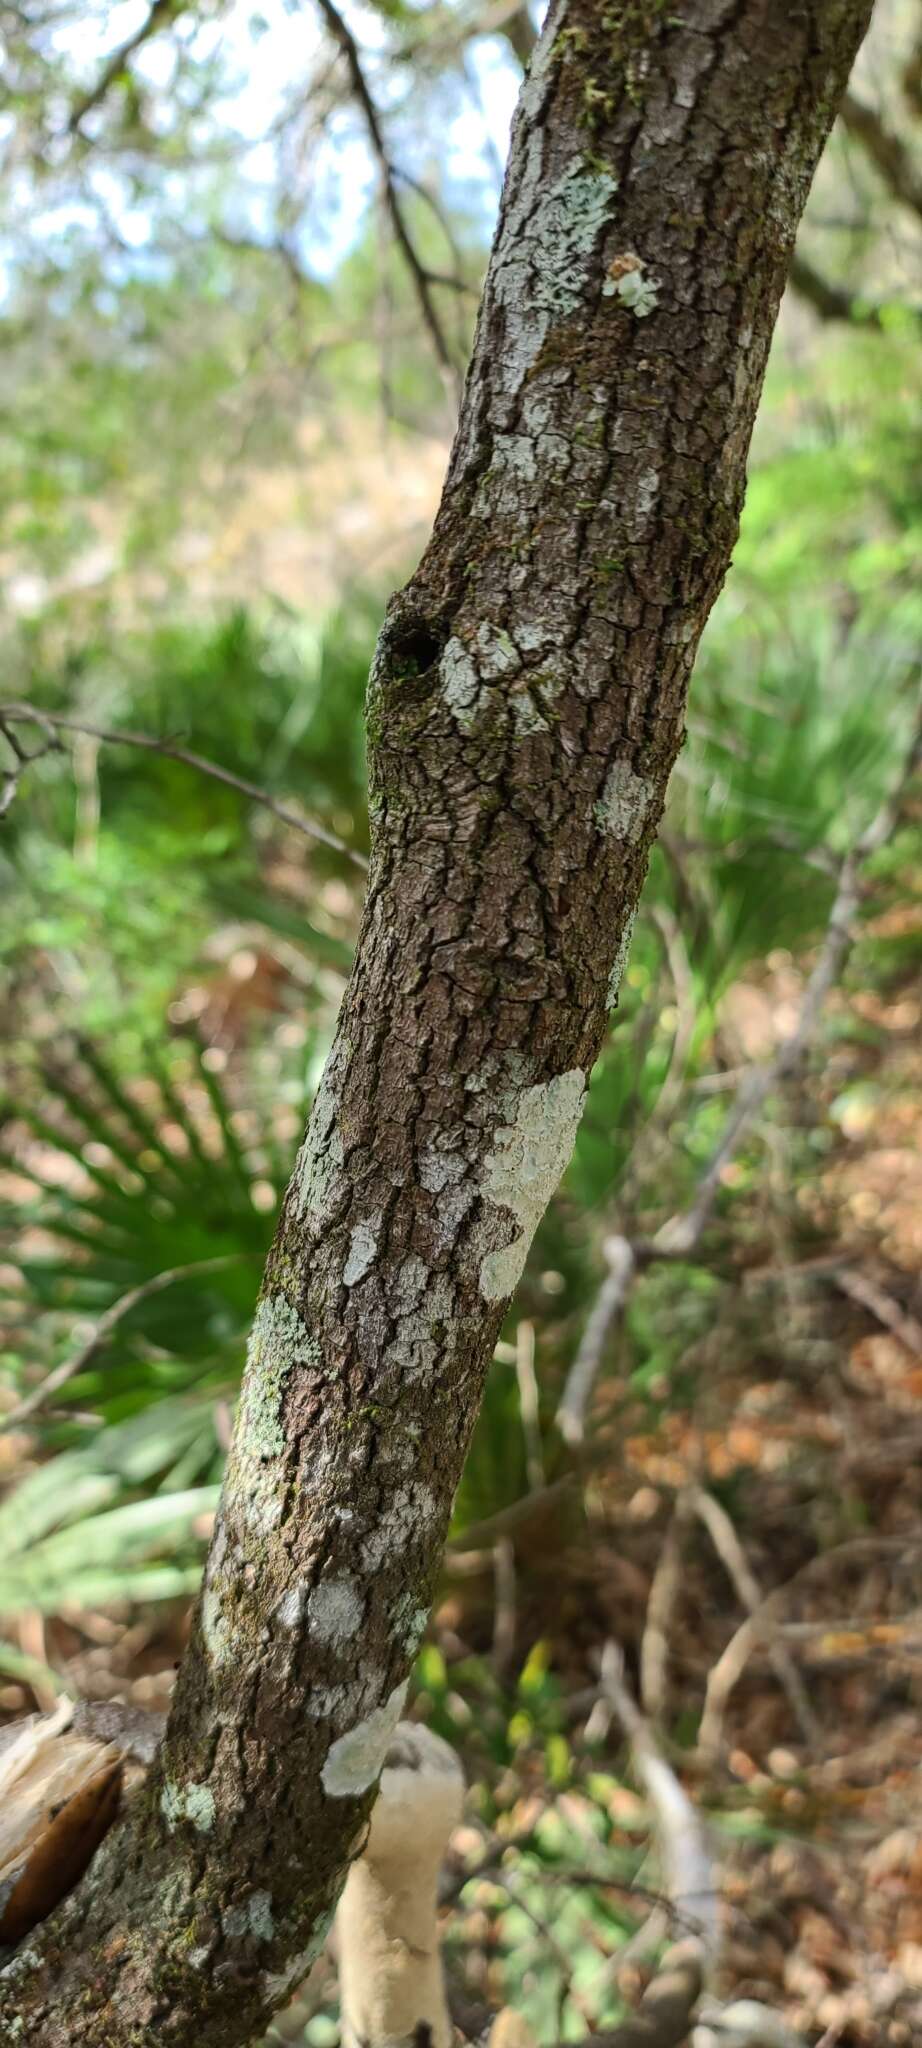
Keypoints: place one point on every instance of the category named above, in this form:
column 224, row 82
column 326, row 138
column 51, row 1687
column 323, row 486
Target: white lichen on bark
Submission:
column 194, row 1803
column 409, row 1620
column 355, row 1760
column 520, row 1173
column 278, row 1983
column 279, row 1341
column 251, row 1919
column 363, row 1246
column 460, row 684
column 322, row 1154
column 334, row 1610
column 620, row 961
column 623, row 805
column 411, row 1514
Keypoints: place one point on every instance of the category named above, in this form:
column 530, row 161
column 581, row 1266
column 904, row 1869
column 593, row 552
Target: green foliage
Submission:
column 115, row 1204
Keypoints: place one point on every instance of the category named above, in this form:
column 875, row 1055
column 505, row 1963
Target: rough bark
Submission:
column 525, row 708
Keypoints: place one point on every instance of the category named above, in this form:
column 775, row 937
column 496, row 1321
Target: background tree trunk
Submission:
column 525, row 709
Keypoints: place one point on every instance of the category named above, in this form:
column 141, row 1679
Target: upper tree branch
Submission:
column 162, row 12
column 887, row 151
column 421, row 277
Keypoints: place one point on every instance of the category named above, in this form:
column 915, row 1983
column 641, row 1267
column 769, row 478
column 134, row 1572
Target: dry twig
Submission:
column 52, row 723
column 680, row 1236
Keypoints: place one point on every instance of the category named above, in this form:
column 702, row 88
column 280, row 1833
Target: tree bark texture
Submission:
column 525, row 708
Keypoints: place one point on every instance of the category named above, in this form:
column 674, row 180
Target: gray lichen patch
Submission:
column 440, row 1168
column 423, row 1318
column 405, row 1524
column 566, row 224
column 620, row 961
column 278, row 1343
column 194, row 1803
column 408, row 1621
column 496, row 655
column 322, row 1154
column 523, row 1168
column 461, row 687
column 355, row 1760
column 623, row 805
column 277, row 1983
column 251, row 1921
column 334, row 1611
column 363, row 1247
column 634, row 286
column 215, row 1632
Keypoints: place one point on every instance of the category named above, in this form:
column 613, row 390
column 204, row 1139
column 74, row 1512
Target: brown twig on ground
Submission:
column 664, row 1592
column 733, row 1557
column 52, row 723
column 861, row 1287
column 680, row 1236
column 761, row 1625
column 421, row 277
column 102, row 1331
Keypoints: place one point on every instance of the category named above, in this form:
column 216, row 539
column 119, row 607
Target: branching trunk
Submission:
column 525, row 709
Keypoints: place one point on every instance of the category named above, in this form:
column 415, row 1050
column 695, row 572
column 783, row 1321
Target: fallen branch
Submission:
column 733, row 1557
column 667, row 2009
column 679, row 1237
column 761, row 1626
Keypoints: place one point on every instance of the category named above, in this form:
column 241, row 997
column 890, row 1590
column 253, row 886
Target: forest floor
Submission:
column 811, row 1430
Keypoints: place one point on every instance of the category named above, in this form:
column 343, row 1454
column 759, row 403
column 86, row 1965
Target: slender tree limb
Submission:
column 661, row 1604
column 12, row 715
column 760, row 1627
column 861, row 1287
column 606, row 1311
column 161, row 14
column 733, row 1557
column 420, row 277
column 831, row 301
column 889, row 154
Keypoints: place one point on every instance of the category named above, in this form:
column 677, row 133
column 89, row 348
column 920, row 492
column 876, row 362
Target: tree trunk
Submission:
column 525, row 708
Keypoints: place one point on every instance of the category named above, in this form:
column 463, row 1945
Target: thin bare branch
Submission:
column 831, row 301
column 608, row 1307
column 28, row 714
column 161, row 13
column 760, row 1627
column 889, row 154
column 419, row 274
column 681, row 1234
column 733, row 1557
column 664, row 1591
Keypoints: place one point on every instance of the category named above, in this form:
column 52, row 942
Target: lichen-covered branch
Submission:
column 525, row 708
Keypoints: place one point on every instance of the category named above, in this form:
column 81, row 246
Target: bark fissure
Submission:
column 525, row 708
